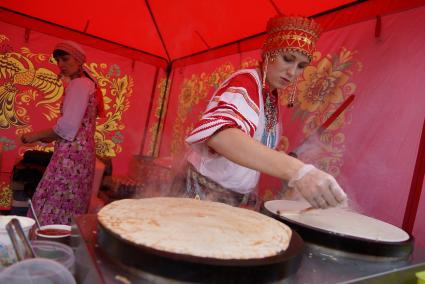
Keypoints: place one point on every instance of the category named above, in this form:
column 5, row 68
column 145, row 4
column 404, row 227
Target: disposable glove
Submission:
column 320, row 189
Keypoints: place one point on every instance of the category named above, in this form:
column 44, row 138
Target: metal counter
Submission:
column 318, row 264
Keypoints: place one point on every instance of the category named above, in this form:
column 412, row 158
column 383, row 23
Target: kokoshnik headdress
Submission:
column 288, row 33
column 291, row 33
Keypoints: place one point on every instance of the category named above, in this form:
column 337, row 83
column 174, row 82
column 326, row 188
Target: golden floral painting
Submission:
column 322, row 88
column 30, row 92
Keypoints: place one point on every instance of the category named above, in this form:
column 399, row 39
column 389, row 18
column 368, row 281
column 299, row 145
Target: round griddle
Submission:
column 353, row 245
column 201, row 269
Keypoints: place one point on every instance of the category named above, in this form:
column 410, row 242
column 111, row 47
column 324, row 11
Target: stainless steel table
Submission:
column 318, row 264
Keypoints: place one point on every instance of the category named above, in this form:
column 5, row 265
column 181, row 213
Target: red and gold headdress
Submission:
column 291, row 33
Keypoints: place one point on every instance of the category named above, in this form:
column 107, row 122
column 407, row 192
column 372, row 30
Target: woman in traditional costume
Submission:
column 64, row 190
column 235, row 138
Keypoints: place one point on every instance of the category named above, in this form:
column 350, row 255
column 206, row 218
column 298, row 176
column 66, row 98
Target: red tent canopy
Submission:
column 163, row 31
column 170, row 33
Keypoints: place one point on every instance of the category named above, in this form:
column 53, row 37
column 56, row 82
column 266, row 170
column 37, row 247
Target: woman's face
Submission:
column 68, row 65
column 285, row 68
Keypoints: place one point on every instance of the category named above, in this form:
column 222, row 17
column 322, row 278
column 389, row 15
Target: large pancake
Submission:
column 195, row 227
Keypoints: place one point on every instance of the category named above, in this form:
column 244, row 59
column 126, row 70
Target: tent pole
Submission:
column 158, row 30
column 162, row 111
column 342, row 7
column 145, row 132
column 415, row 187
column 275, row 7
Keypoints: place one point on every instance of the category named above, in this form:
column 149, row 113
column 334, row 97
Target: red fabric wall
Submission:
column 372, row 147
column 126, row 84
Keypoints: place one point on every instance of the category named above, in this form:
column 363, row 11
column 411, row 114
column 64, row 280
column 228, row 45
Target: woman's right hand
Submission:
column 320, row 189
column 28, row 138
column 24, row 139
column 47, row 140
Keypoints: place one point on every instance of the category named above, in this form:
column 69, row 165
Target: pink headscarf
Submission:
column 78, row 53
column 73, row 49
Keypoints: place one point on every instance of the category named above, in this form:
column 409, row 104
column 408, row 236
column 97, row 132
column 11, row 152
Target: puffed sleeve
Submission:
column 74, row 107
column 235, row 105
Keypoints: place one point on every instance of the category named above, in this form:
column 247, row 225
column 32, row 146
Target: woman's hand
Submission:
column 47, row 140
column 320, row 189
column 45, row 136
column 29, row 138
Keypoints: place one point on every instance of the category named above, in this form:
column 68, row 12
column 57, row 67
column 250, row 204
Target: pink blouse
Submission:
column 74, row 107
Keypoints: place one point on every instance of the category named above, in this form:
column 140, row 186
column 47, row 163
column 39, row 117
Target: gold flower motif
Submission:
column 3, row 38
column 250, row 63
column 194, row 91
column 116, row 91
column 283, row 144
column 104, row 146
column 5, row 196
column 322, row 85
column 21, row 83
column 320, row 92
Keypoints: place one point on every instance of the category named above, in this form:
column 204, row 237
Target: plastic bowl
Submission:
column 55, row 251
column 36, row 271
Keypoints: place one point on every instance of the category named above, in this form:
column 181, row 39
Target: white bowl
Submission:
column 55, row 226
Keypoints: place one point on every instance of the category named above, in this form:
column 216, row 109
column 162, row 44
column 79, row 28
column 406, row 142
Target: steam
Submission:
column 312, row 151
column 164, row 176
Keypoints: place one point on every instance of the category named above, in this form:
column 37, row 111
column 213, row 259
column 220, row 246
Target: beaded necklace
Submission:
column 271, row 111
column 271, row 114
